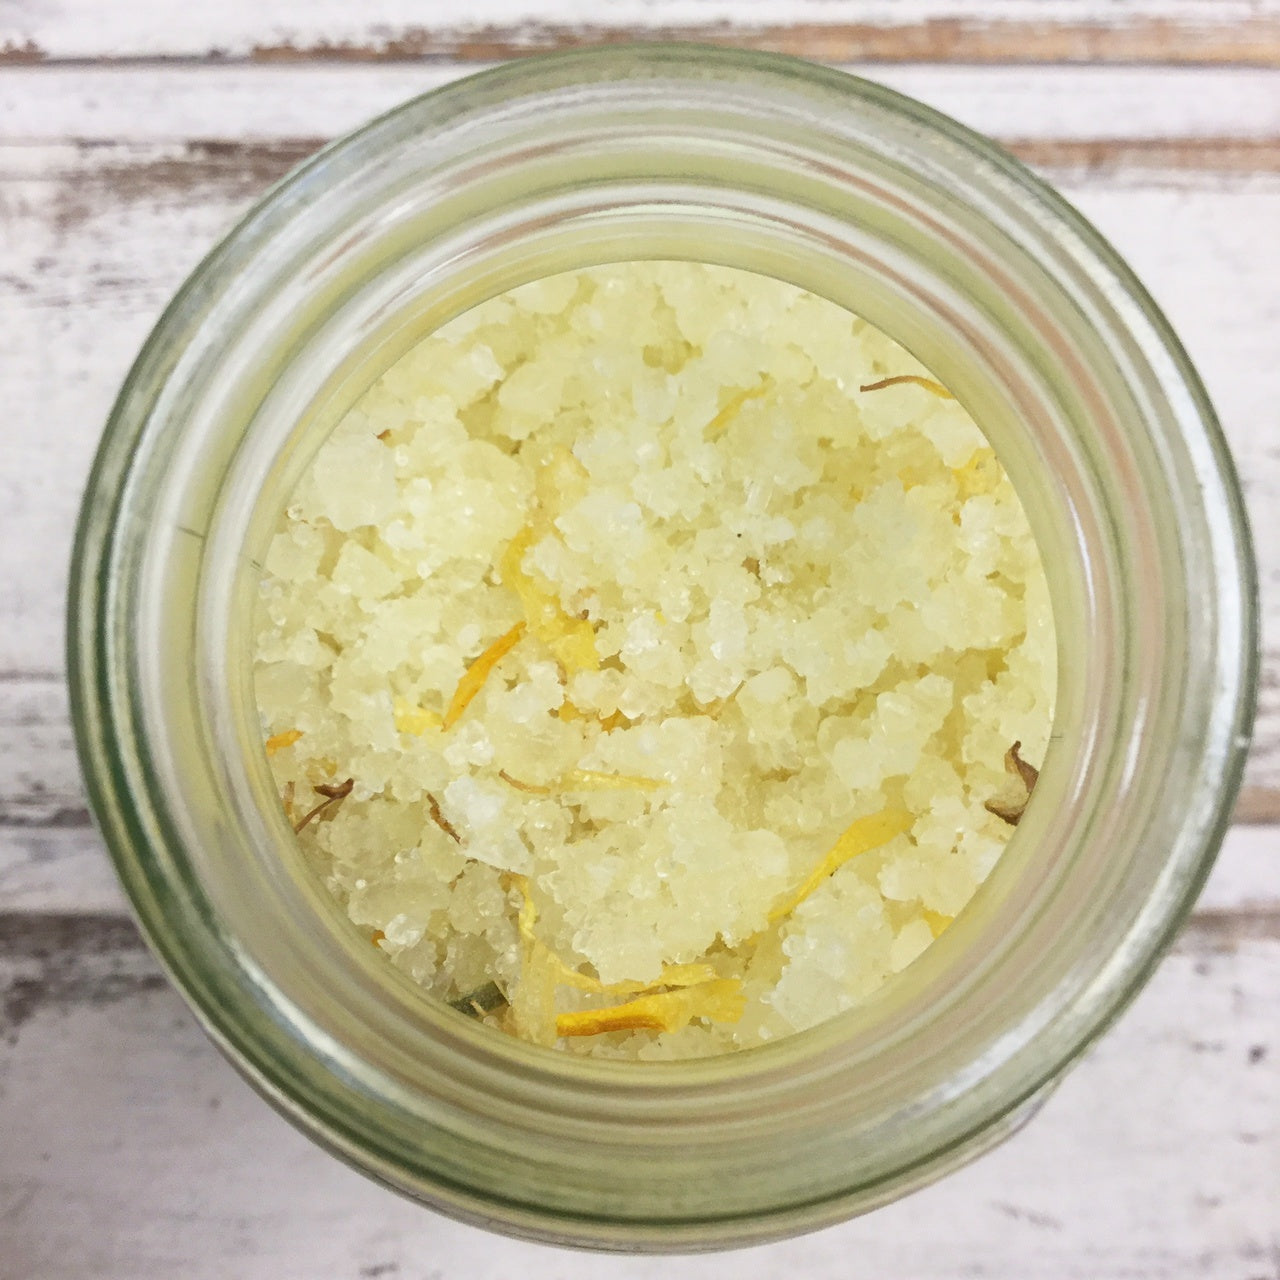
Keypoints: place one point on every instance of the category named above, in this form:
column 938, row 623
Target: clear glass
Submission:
column 883, row 206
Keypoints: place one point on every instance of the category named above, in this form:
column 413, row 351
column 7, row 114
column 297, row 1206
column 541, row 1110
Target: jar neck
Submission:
column 902, row 217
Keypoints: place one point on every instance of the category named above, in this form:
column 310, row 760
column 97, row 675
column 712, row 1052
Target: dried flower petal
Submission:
column 584, row 780
column 594, row 780
column 571, row 640
column 333, row 793
column 859, row 837
column 914, row 379
column 478, row 672
column 1011, row 810
column 278, row 741
column 413, row 719
column 433, row 808
column 726, row 415
column 718, row 1001
column 937, row 922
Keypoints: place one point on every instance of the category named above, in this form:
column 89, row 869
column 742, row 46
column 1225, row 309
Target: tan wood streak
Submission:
column 941, row 39
column 24, row 53
column 1252, row 43
column 1111, row 155
column 243, row 168
column 1257, row 806
column 1247, row 42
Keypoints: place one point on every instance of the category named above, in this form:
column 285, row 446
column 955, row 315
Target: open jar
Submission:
column 863, row 197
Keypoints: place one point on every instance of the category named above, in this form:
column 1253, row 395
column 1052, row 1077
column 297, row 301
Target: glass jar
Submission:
column 858, row 194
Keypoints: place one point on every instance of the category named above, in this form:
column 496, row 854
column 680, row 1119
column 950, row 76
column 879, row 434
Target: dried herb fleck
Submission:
column 914, row 379
column 333, row 792
column 530, row 788
column 484, row 999
column 1028, row 775
column 433, row 808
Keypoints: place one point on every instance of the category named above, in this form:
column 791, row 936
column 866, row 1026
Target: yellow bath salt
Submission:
column 674, row 628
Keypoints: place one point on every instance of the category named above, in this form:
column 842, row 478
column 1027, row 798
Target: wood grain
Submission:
column 170, row 103
column 950, row 39
column 132, row 1152
column 975, row 31
column 95, row 236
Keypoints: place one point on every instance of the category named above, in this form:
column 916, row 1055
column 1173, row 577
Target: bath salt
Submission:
column 642, row 658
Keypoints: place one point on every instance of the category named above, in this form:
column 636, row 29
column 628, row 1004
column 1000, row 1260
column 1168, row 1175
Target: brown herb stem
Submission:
column 333, row 793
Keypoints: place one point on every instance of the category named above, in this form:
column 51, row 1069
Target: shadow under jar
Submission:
column 857, row 194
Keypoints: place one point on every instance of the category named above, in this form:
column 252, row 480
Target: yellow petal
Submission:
column 859, row 837
column 721, row 421
column 594, row 780
column 936, row 921
column 979, row 475
column 571, row 640
column 478, row 672
column 278, row 741
column 718, row 1001
column 413, row 719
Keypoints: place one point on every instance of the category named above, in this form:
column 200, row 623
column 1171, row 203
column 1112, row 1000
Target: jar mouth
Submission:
column 932, row 234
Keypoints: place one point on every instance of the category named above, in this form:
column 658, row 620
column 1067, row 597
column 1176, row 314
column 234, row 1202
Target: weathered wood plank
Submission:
column 1258, row 805
column 1154, row 1160
column 40, row 781
column 1175, row 31
column 1244, row 879
column 93, row 238
column 52, row 869
column 1176, row 105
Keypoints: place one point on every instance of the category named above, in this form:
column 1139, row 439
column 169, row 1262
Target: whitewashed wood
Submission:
column 132, row 1152
column 166, row 103
column 93, row 239
column 83, row 29
column 1246, row 877
column 47, row 869
column 40, row 780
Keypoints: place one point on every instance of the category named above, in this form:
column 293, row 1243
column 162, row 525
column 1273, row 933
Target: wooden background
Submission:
column 131, row 135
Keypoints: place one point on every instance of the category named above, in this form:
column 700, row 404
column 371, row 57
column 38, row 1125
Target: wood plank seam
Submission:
column 1141, row 40
column 1207, row 155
